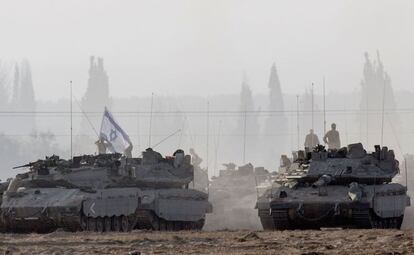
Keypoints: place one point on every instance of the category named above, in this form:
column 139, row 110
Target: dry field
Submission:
column 217, row 242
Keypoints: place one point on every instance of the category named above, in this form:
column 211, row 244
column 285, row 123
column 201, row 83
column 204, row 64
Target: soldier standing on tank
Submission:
column 332, row 138
column 101, row 144
column 128, row 151
column 311, row 140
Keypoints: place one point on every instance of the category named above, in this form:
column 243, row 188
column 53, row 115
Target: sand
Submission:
column 330, row 241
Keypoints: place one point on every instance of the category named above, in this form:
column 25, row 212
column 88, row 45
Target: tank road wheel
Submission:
column 399, row 221
column 200, row 224
column 163, row 225
column 91, row 224
column 281, row 219
column 155, row 223
column 186, row 225
column 177, row 226
column 124, row 223
column 170, row 225
column 99, row 225
column 116, row 224
column 107, row 224
column 83, row 223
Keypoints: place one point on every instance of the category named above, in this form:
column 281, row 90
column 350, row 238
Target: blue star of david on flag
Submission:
column 113, row 134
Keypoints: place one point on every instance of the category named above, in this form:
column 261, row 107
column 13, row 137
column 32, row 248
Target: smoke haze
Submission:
column 234, row 76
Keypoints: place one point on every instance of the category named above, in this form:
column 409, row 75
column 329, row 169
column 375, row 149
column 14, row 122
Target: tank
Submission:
column 233, row 194
column 347, row 188
column 105, row 192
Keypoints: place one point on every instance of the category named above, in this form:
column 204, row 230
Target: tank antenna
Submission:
column 150, row 121
column 297, row 120
column 86, row 117
column 324, row 107
column 406, row 172
column 382, row 114
column 166, row 138
column 138, row 131
column 207, row 132
column 71, row 122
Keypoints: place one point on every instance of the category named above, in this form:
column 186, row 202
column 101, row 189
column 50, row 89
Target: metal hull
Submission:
column 116, row 209
column 306, row 208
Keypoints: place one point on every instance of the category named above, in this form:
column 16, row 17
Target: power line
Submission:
column 400, row 110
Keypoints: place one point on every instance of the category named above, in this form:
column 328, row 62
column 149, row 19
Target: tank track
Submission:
column 127, row 223
column 281, row 219
column 368, row 219
column 266, row 219
column 361, row 218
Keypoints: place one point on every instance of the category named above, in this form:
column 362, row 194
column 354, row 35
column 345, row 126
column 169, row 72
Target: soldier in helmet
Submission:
column 332, row 138
column 311, row 140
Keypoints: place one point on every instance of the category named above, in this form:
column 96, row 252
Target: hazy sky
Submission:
column 203, row 47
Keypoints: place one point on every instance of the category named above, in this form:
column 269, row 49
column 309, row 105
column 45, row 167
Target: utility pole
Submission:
column 312, row 100
column 150, row 121
column 71, row 123
column 217, row 148
column 312, row 113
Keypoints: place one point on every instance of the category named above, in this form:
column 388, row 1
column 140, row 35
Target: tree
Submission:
column 4, row 80
column 26, row 95
column 248, row 124
column 275, row 139
column 376, row 90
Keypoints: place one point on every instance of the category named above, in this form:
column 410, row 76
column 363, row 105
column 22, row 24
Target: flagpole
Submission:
column 150, row 121
column 71, row 122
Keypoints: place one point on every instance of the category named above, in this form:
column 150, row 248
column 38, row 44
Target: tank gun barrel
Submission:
column 26, row 165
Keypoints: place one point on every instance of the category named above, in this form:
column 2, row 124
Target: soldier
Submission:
column 128, row 151
column 101, row 144
column 311, row 140
column 332, row 138
column 195, row 159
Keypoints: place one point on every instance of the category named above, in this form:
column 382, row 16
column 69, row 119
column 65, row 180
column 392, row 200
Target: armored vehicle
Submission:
column 105, row 193
column 233, row 194
column 340, row 188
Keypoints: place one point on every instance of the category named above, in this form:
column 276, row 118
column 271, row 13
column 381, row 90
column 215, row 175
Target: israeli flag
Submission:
column 117, row 140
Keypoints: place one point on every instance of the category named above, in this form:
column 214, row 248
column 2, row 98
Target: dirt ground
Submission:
column 217, row 242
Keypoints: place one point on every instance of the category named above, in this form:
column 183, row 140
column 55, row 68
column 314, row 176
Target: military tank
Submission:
column 233, row 194
column 106, row 192
column 347, row 188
